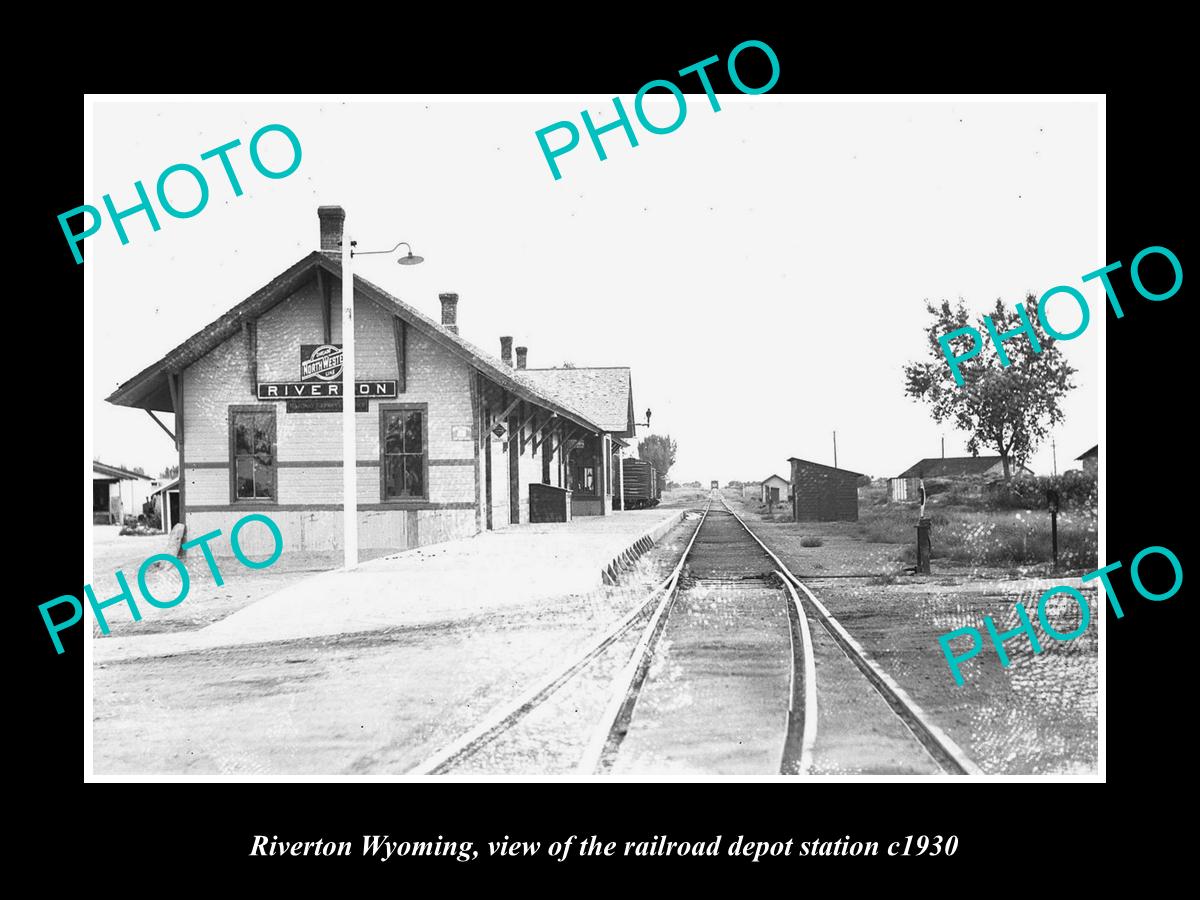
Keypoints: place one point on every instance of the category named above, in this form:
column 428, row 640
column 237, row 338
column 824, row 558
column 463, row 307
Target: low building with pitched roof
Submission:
column 1090, row 460
column 118, row 492
column 823, row 493
column 907, row 485
column 774, row 489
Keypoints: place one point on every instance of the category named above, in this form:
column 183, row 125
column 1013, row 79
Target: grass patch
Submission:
column 810, row 541
column 986, row 538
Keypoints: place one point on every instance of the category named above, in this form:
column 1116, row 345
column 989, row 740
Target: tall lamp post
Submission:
column 350, row 394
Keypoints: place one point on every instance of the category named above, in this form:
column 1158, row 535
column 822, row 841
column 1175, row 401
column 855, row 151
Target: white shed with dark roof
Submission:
column 775, row 489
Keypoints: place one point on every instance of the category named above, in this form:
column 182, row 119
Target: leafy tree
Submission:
column 169, row 472
column 1008, row 409
column 659, row 451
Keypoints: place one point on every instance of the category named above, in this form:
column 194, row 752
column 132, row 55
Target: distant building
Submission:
column 117, row 493
column 752, row 490
column 1090, row 460
column 166, row 502
column 775, row 489
column 906, row 485
column 823, row 493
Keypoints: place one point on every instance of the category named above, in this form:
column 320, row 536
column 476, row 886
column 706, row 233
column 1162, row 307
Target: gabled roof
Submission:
column 107, row 471
column 171, row 485
column 149, row 388
column 1095, row 451
column 605, row 395
column 936, row 467
column 776, row 477
column 808, row 462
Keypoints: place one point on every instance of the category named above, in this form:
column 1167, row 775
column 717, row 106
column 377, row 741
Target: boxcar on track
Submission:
column 642, row 484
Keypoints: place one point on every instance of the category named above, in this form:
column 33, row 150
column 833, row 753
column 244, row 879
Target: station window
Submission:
column 252, row 453
column 580, row 471
column 404, row 459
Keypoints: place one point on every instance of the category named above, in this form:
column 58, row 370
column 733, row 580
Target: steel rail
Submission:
column 940, row 746
column 607, row 737
column 802, row 713
column 508, row 714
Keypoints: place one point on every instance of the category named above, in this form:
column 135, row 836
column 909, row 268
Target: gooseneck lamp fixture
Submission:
column 350, row 391
column 407, row 260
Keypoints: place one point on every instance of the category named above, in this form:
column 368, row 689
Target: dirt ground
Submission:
column 1038, row 716
column 206, row 602
column 367, row 703
column 381, row 702
column 683, row 498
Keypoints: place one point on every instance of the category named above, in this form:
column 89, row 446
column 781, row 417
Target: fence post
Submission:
column 1052, row 502
column 924, row 544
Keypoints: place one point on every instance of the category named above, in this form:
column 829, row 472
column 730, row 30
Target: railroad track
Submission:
column 723, row 678
column 506, row 717
column 945, row 752
column 740, row 636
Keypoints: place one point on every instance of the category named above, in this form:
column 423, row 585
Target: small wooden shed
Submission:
column 823, row 493
column 775, row 489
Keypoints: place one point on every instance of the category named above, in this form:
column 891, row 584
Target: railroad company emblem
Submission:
column 320, row 361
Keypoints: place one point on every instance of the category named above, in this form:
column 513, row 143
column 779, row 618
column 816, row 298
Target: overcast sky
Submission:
column 762, row 269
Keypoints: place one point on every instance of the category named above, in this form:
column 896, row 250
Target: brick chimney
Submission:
column 449, row 311
column 506, row 350
column 331, row 218
column 522, row 353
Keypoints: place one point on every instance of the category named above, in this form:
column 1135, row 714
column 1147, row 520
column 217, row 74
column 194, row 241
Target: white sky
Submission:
column 762, row 269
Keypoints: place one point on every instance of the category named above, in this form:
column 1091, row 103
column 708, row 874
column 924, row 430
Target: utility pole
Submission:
column 349, row 449
column 943, row 446
column 835, row 449
column 1054, row 455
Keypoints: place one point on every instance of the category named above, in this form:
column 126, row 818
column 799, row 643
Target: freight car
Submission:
column 642, row 484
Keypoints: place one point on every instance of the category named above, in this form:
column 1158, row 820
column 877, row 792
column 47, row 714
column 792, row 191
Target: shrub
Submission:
column 1076, row 490
column 810, row 541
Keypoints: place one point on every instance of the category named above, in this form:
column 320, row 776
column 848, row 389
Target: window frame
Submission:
column 583, row 493
column 384, row 409
column 261, row 409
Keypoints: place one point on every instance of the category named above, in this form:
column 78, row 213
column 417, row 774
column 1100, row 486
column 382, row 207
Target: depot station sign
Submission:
column 321, row 376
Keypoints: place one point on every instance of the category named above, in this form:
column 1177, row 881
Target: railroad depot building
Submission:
column 604, row 395
column 450, row 440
